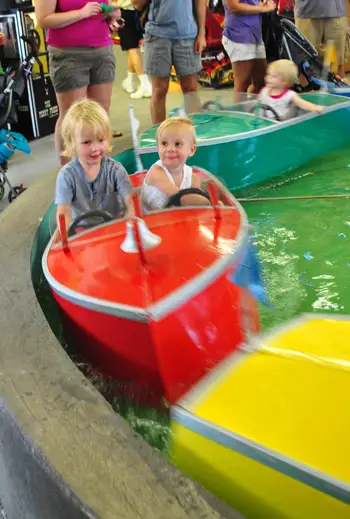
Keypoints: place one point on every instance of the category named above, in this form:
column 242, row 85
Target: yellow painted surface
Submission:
column 292, row 396
column 256, row 491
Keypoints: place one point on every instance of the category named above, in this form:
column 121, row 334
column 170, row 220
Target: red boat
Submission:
column 150, row 301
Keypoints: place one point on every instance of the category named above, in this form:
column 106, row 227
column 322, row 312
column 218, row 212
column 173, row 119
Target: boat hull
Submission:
column 157, row 360
column 157, row 322
column 246, row 160
column 268, row 432
column 255, row 490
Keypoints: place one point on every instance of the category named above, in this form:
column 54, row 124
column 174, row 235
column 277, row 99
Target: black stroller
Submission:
column 284, row 41
column 12, row 86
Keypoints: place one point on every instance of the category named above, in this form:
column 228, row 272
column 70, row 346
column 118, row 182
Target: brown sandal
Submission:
column 116, row 134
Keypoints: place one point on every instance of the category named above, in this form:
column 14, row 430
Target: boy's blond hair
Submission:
column 285, row 69
column 84, row 114
column 176, row 122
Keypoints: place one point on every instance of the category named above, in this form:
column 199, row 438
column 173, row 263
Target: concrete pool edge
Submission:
column 63, row 451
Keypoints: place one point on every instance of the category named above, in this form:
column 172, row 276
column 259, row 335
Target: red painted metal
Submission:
column 214, row 198
column 139, row 243
column 182, row 335
column 136, row 203
column 63, row 232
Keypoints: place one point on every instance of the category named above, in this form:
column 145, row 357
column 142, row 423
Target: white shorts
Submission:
column 243, row 51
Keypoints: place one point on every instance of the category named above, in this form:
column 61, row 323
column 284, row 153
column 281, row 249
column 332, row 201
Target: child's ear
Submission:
column 193, row 149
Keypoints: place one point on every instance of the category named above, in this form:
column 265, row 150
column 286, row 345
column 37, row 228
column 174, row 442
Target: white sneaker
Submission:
column 142, row 91
column 128, row 85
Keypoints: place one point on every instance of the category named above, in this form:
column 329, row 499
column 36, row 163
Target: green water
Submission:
column 304, row 249
column 304, row 244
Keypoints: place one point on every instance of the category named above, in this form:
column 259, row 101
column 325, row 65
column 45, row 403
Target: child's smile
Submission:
column 175, row 146
column 90, row 148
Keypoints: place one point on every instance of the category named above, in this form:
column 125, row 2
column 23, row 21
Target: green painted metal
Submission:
column 216, row 124
column 244, row 150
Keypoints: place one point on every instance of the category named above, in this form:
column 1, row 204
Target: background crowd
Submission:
column 173, row 34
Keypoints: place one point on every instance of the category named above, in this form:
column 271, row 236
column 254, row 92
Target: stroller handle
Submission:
column 33, row 41
column 6, row 100
column 6, row 97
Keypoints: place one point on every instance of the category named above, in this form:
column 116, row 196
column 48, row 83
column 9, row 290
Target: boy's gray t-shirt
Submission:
column 72, row 187
column 320, row 8
column 172, row 20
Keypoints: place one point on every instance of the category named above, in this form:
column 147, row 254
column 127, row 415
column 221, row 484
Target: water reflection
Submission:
column 303, row 244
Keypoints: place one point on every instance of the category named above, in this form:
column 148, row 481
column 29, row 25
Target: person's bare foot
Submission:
column 116, row 134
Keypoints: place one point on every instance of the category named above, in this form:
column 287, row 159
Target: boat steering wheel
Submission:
column 266, row 108
column 95, row 213
column 175, row 200
column 211, row 106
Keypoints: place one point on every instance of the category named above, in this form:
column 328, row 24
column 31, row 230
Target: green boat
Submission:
column 244, row 149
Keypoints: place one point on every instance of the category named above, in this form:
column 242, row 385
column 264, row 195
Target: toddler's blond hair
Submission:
column 285, row 69
column 177, row 122
column 84, row 114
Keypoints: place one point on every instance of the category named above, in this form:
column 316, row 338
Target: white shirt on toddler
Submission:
column 153, row 198
column 282, row 103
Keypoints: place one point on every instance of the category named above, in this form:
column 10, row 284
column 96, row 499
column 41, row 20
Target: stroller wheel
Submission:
column 15, row 192
column 2, row 190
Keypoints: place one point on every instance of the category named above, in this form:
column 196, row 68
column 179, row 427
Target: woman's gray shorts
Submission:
column 77, row 67
column 160, row 54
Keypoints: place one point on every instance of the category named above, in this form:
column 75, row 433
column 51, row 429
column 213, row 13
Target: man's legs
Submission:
column 157, row 65
column 335, row 29
column 187, row 64
column 160, row 86
column 312, row 29
column 189, row 85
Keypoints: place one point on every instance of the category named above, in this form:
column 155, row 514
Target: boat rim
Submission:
column 271, row 458
column 257, row 132
column 198, row 392
column 169, row 303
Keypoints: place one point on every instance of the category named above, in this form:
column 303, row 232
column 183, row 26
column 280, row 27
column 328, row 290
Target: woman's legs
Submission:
column 102, row 93
column 64, row 101
column 259, row 72
column 144, row 89
column 129, row 82
column 130, row 63
column 134, row 55
column 242, row 73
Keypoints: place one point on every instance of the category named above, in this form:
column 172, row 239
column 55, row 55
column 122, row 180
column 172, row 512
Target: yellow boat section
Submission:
column 268, row 430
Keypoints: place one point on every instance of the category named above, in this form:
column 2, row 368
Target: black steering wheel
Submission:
column 211, row 106
column 95, row 213
column 266, row 108
column 175, row 200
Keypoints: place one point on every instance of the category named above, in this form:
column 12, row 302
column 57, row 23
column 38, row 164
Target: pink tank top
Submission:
column 91, row 32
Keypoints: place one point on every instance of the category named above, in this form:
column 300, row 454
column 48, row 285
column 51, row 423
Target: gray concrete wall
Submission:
column 64, row 453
